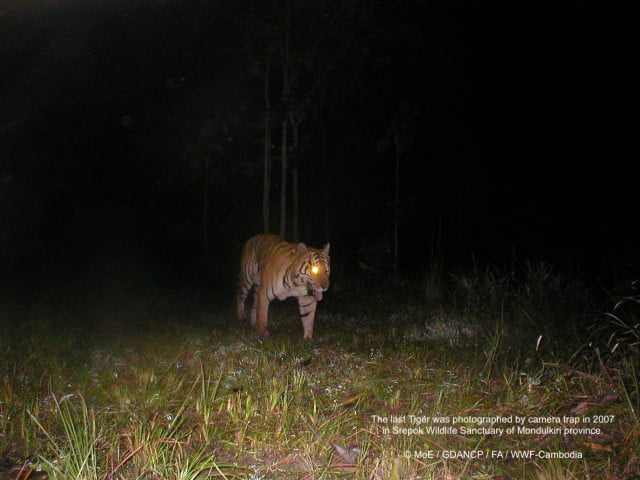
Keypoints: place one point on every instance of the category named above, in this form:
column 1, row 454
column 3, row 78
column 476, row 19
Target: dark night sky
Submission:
column 524, row 121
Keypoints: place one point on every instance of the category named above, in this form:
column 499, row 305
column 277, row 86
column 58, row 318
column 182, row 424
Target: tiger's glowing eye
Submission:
column 314, row 269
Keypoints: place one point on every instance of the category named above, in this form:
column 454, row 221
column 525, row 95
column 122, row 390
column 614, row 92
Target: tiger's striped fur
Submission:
column 274, row 268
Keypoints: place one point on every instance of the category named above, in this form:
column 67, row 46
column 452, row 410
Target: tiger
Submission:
column 274, row 268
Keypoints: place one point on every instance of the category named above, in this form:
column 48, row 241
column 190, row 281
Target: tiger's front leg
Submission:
column 260, row 311
column 307, row 306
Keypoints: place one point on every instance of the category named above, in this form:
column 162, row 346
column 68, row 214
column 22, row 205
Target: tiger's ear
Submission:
column 326, row 248
column 302, row 248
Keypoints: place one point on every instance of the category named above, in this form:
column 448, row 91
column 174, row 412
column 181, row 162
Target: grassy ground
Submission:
column 508, row 375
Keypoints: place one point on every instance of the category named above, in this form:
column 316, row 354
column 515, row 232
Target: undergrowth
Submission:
column 393, row 387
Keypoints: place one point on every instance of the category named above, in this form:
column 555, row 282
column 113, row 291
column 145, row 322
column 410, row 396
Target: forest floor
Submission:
column 497, row 378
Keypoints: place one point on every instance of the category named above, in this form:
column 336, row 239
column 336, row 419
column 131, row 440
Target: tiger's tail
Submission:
column 248, row 272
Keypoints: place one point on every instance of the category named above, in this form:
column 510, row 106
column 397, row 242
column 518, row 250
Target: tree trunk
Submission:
column 294, row 120
column 266, row 182
column 296, row 204
column 286, row 72
column 283, row 182
column 205, row 212
column 396, row 215
column 325, row 177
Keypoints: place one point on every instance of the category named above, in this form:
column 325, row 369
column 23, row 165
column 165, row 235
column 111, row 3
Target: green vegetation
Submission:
column 201, row 397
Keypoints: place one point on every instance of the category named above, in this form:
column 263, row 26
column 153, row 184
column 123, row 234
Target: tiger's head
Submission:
column 314, row 269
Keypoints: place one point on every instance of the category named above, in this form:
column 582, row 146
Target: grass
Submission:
column 192, row 395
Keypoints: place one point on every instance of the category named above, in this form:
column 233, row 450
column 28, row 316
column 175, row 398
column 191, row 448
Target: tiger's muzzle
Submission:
column 316, row 290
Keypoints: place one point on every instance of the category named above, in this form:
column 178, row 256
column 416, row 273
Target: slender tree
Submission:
column 294, row 120
column 286, row 98
column 306, row 39
column 400, row 133
column 266, row 184
column 205, row 212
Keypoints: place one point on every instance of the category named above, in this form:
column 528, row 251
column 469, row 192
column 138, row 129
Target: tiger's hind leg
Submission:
column 241, row 298
column 307, row 306
column 251, row 297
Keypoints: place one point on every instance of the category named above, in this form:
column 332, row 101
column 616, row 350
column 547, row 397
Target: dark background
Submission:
column 522, row 120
